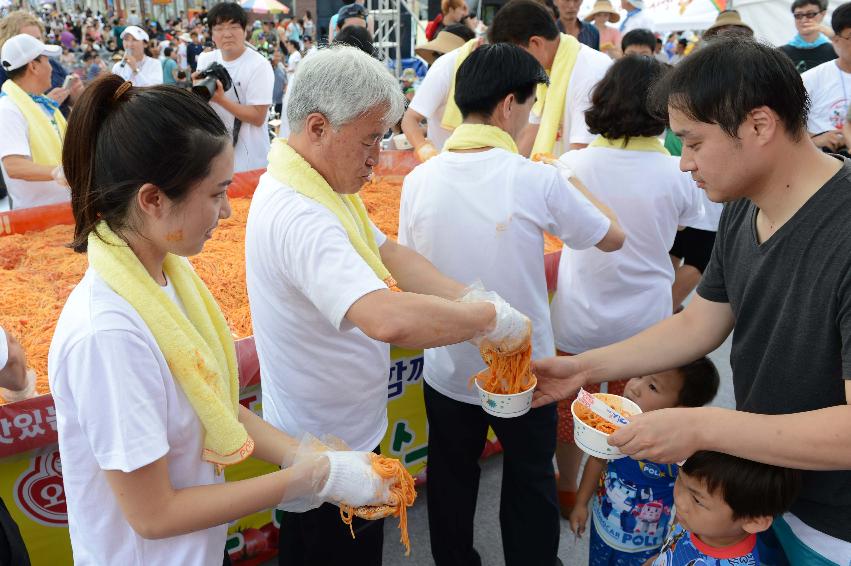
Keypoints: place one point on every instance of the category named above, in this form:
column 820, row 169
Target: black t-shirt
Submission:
column 791, row 297
column 806, row 59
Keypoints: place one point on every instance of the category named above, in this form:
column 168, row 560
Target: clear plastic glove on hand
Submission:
column 27, row 392
column 426, row 151
column 511, row 328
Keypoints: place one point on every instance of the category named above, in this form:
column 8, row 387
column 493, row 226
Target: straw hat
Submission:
column 603, row 7
column 444, row 43
column 729, row 18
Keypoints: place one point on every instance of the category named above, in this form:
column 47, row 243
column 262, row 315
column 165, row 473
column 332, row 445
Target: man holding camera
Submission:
column 244, row 106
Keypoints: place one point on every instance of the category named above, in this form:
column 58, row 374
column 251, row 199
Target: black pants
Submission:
column 319, row 537
column 13, row 551
column 528, row 513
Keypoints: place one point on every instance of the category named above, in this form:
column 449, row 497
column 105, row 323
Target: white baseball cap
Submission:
column 136, row 32
column 4, row 348
column 22, row 48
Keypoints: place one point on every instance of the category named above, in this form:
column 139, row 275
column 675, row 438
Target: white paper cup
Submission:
column 506, row 406
column 592, row 441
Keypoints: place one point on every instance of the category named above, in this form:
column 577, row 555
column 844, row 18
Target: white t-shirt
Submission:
column 482, row 216
column 253, row 82
column 590, row 67
column 430, row 97
column 711, row 215
column 603, row 298
column 641, row 20
column 320, row 373
column 181, row 52
column 828, row 87
column 115, row 415
column 150, row 72
column 292, row 62
column 14, row 140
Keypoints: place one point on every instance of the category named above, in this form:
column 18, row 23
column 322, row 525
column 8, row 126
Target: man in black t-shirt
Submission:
column 780, row 273
column 810, row 47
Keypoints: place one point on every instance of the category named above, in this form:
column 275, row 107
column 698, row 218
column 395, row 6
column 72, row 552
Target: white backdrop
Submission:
column 771, row 19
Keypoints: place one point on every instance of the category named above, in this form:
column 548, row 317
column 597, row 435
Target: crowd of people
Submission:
column 664, row 165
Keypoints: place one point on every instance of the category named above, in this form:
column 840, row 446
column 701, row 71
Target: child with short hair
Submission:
column 632, row 499
column 722, row 503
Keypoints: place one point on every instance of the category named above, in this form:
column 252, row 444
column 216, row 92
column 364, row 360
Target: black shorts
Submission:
column 694, row 247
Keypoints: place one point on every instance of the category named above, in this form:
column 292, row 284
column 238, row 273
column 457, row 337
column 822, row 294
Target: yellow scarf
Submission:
column 451, row 114
column 550, row 104
column 290, row 168
column 45, row 140
column 475, row 136
column 635, row 144
column 199, row 349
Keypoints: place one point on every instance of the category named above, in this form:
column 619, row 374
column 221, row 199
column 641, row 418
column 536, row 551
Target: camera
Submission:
column 205, row 85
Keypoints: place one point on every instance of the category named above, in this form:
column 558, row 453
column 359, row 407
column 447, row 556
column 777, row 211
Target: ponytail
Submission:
column 121, row 137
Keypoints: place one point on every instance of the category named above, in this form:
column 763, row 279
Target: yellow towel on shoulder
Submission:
column 635, row 144
column 199, row 349
column 476, row 136
column 451, row 114
column 45, row 139
column 290, row 168
column 550, row 104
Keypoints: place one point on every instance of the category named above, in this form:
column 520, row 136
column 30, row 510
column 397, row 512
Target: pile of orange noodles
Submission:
column 403, row 493
column 594, row 420
column 507, row 373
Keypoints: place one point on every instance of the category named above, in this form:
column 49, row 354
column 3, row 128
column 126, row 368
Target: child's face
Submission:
column 655, row 391
column 706, row 514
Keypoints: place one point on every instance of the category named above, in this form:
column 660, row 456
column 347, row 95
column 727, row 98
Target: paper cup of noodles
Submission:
column 506, row 406
column 593, row 441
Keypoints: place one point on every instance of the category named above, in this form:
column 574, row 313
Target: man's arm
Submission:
column 411, row 127
column 814, row 440
column 23, row 168
column 248, row 114
column 415, row 321
column 674, row 342
column 416, row 274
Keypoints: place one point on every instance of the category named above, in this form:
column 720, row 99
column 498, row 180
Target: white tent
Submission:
column 772, row 19
column 672, row 15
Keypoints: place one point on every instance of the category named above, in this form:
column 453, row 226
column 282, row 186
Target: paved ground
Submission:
column 572, row 551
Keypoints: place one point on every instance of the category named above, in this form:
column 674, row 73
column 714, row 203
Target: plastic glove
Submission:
column 426, row 151
column 326, row 471
column 58, row 175
column 27, row 392
column 351, row 480
column 550, row 159
column 511, row 328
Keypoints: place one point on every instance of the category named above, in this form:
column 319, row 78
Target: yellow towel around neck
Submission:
column 45, row 139
column 451, row 114
column 199, row 349
column 476, row 136
column 550, row 104
column 290, row 168
column 635, row 144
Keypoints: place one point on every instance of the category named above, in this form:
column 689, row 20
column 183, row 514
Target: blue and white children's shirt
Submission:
column 684, row 549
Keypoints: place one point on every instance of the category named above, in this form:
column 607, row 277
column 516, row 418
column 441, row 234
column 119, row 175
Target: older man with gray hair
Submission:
column 329, row 292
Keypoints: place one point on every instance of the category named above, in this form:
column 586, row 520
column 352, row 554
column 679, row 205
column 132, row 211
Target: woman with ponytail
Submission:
column 142, row 365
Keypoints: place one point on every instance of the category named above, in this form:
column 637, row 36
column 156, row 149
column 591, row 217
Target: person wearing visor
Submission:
column 31, row 125
column 136, row 66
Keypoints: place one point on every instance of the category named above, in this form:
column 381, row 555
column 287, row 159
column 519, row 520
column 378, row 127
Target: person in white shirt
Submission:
column 478, row 211
column 142, row 365
column 136, row 66
column 323, row 285
column 527, row 24
column 636, row 17
column 244, row 107
column 828, row 86
column 31, row 126
column 603, row 298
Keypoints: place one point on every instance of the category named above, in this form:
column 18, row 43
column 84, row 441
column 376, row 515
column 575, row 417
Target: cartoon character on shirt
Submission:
column 623, row 498
column 649, row 515
column 680, row 550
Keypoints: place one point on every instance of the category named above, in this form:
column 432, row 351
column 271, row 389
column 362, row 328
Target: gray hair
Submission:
column 343, row 83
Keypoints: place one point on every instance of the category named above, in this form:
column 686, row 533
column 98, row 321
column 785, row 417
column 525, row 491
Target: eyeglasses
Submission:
column 807, row 15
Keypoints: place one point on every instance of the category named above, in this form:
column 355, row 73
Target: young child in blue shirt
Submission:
column 722, row 503
column 632, row 500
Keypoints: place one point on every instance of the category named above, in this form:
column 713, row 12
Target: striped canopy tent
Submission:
column 264, row 7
